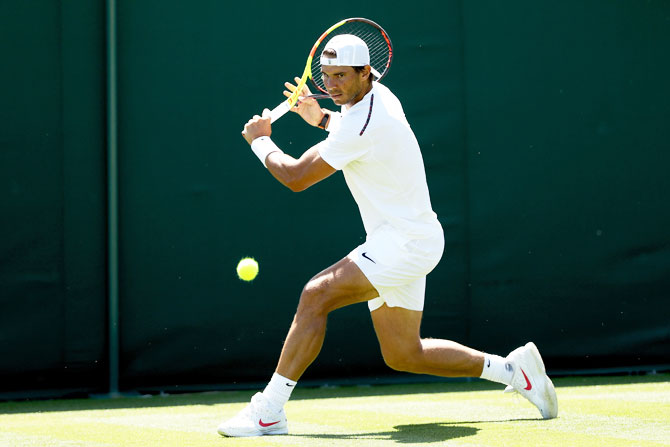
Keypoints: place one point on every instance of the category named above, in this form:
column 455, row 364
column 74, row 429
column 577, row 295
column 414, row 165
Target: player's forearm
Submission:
column 280, row 165
column 297, row 175
column 286, row 170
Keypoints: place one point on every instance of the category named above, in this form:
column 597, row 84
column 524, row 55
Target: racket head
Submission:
column 375, row 37
column 307, row 73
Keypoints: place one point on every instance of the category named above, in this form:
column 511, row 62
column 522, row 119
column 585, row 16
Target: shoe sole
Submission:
column 249, row 434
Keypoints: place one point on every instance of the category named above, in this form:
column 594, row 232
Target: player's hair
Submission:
column 359, row 69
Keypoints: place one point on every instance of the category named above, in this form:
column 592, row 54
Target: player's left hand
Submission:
column 258, row 126
column 308, row 108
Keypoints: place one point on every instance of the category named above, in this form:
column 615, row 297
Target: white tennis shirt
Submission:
column 374, row 147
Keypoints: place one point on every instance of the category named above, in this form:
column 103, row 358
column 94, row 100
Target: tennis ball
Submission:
column 247, row 269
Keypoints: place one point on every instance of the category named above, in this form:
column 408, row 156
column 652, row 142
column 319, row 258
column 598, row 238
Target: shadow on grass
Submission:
column 407, row 434
column 241, row 396
column 417, row 433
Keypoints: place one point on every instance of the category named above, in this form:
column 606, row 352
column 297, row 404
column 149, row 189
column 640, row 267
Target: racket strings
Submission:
column 378, row 46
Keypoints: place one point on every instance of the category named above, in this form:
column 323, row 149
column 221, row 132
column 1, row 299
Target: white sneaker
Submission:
column 531, row 381
column 257, row 419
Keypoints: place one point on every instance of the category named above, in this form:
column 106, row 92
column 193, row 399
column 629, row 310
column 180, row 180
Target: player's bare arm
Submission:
column 300, row 174
column 297, row 175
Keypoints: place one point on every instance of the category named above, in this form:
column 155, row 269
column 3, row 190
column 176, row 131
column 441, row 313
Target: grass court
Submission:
column 593, row 411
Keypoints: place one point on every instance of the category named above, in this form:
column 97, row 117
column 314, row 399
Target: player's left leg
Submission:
column 403, row 349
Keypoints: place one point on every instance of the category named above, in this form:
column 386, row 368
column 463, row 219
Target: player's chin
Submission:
column 338, row 99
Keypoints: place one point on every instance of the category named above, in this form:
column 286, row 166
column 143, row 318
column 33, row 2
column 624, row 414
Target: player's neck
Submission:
column 358, row 98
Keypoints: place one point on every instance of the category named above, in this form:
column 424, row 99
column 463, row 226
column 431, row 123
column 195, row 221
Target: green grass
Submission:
column 601, row 411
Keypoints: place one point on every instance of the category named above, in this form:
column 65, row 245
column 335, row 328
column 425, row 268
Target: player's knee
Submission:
column 400, row 359
column 312, row 300
column 397, row 363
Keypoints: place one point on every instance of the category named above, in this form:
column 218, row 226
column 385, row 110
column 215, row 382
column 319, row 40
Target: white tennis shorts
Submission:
column 397, row 267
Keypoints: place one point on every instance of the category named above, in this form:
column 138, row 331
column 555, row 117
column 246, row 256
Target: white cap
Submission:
column 350, row 51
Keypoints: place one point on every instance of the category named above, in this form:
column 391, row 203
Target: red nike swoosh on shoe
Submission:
column 263, row 424
column 528, row 385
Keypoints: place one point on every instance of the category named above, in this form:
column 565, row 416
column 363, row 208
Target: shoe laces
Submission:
column 249, row 410
column 259, row 406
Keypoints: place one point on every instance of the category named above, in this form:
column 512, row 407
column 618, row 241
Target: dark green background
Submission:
column 544, row 129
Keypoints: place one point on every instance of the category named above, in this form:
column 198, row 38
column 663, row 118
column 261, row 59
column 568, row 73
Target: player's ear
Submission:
column 368, row 71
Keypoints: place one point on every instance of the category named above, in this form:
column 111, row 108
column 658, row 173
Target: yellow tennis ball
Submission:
column 247, row 269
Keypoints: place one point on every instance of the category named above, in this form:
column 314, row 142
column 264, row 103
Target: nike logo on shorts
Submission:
column 365, row 255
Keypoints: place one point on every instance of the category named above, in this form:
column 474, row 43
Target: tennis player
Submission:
column 371, row 142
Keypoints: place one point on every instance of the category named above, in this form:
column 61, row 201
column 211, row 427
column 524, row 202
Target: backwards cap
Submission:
column 350, row 51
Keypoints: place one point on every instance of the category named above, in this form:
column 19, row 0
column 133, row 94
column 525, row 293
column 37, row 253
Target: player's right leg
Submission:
column 337, row 286
column 256, row 419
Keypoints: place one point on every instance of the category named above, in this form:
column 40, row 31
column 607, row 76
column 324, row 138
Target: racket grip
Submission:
column 279, row 111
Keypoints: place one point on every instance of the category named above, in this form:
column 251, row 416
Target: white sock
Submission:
column 496, row 369
column 279, row 391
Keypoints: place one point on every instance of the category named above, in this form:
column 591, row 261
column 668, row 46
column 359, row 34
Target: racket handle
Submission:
column 279, row 111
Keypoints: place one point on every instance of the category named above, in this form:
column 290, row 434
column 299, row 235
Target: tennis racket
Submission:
column 374, row 36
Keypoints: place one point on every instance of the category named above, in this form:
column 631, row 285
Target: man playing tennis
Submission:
column 371, row 142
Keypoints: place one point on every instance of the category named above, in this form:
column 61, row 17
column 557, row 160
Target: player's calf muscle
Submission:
column 432, row 356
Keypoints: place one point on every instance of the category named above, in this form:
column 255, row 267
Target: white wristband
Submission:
column 262, row 147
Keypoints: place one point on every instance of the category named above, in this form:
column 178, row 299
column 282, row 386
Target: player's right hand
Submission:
column 257, row 127
column 307, row 108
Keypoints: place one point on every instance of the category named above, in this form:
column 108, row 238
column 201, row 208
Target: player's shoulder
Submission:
column 384, row 107
column 376, row 101
column 382, row 89
column 377, row 109
column 389, row 99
